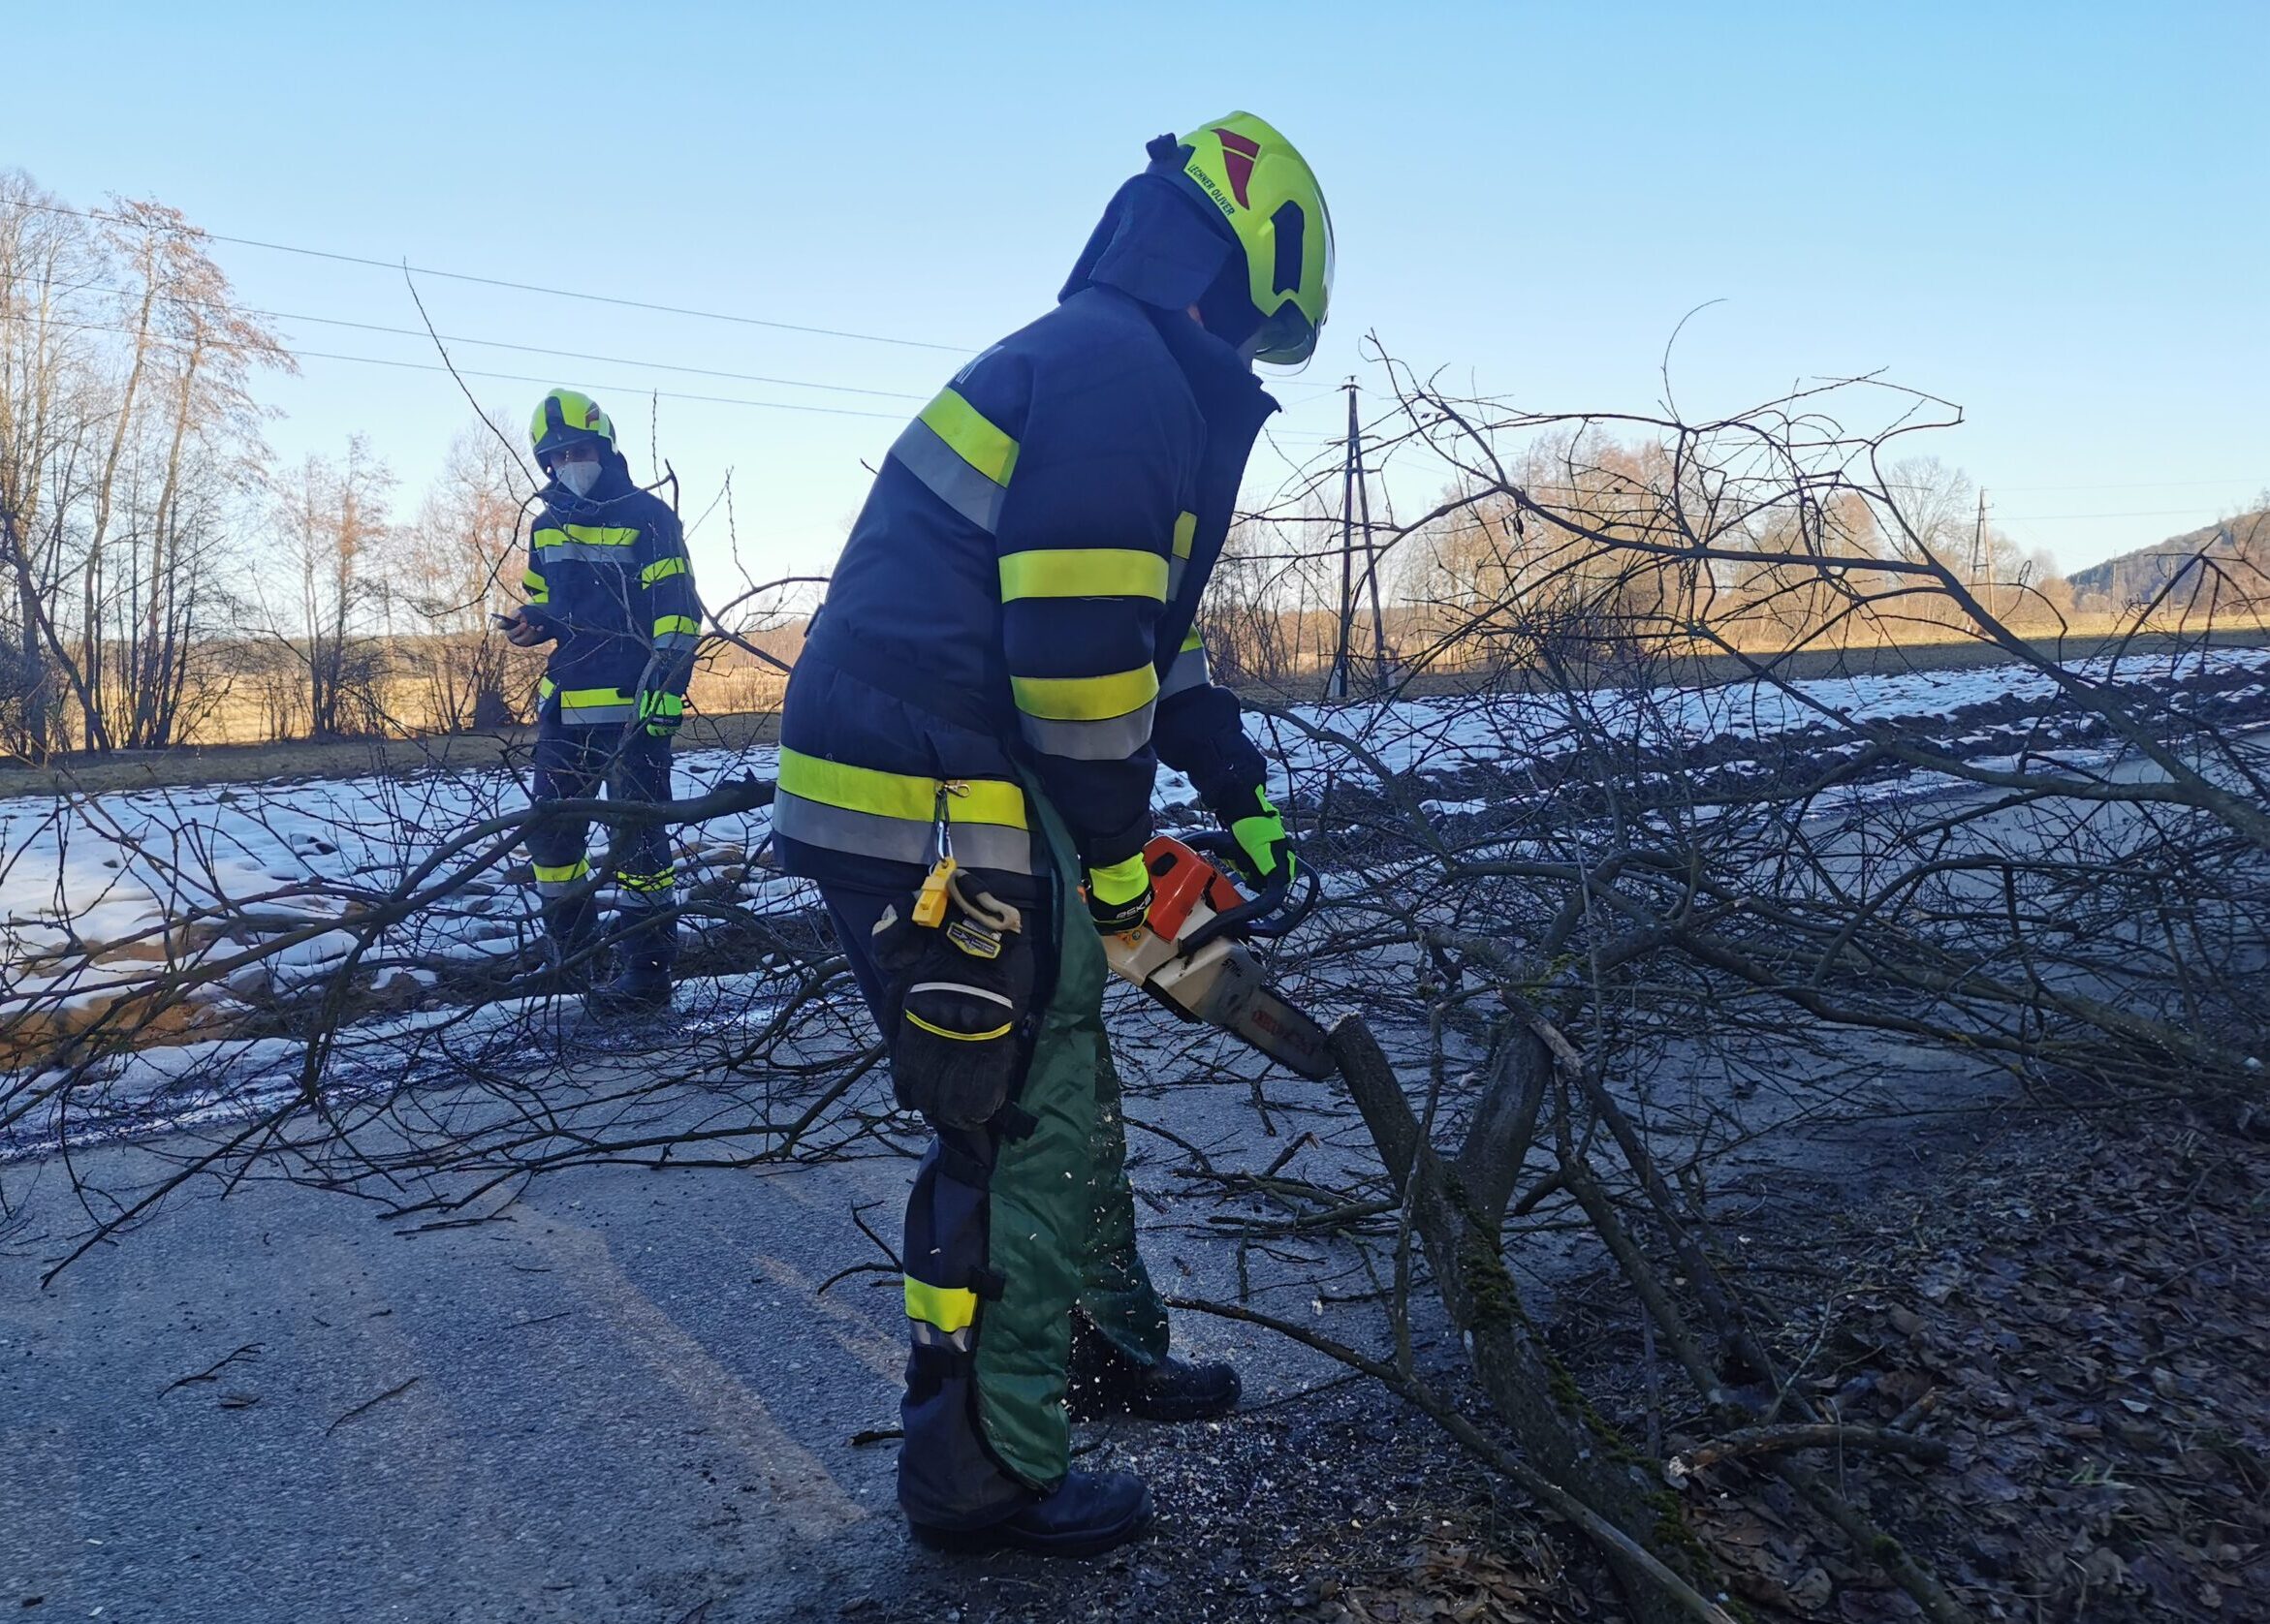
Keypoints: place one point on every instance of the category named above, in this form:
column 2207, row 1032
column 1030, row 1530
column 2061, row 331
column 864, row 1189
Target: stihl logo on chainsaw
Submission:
column 1193, row 956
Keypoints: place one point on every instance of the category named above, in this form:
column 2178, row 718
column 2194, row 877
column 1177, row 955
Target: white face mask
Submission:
column 578, row 477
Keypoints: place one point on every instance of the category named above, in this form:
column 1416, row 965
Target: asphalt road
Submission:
column 619, row 1399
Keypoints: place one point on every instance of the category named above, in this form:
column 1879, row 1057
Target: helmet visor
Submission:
column 1288, row 337
column 1285, row 339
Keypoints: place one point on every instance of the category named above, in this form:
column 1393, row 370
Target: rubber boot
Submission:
column 1105, row 1381
column 571, row 937
column 1090, row 1514
column 645, row 950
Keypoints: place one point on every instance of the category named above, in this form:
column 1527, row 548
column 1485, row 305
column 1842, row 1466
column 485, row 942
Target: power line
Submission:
column 2136, row 485
column 621, row 390
column 484, row 343
column 1319, row 389
column 603, row 361
column 2146, row 512
column 516, row 287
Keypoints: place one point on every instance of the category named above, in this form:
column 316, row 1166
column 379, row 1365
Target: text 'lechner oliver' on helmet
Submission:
column 1266, row 192
column 563, row 418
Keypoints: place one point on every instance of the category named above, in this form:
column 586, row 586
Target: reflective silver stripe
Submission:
column 959, row 988
column 1177, row 569
column 928, row 1335
column 551, row 552
column 588, row 715
column 952, row 480
column 560, row 887
column 676, row 643
column 870, row 834
column 1190, row 671
column 1113, row 740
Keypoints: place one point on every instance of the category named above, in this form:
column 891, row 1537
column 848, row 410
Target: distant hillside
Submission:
column 2240, row 545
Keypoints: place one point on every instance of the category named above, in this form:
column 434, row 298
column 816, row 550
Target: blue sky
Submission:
column 2053, row 215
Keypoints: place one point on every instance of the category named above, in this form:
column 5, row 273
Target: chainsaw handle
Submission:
column 1258, row 919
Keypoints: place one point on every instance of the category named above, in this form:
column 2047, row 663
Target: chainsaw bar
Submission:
column 1287, row 1034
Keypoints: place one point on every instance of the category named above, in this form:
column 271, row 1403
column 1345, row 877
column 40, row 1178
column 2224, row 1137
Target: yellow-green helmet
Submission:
column 1266, row 192
column 562, row 418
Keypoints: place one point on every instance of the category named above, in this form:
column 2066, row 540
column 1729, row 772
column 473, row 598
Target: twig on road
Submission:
column 250, row 1350
column 371, row 1404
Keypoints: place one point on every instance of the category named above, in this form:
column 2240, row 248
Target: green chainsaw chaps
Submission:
column 1062, row 1224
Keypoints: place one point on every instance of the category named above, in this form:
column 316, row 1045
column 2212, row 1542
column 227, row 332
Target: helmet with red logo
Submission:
column 563, row 418
column 1268, row 194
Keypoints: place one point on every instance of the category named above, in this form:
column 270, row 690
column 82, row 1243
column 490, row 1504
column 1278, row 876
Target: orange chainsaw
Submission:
column 1192, row 955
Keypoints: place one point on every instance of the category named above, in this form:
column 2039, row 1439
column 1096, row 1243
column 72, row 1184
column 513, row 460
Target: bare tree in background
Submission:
column 128, row 447
column 331, row 526
column 457, row 565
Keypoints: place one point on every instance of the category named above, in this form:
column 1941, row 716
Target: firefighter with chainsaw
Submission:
column 609, row 585
column 968, row 749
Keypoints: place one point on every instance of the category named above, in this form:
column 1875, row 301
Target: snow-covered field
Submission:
column 98, row 895
column 114, row 868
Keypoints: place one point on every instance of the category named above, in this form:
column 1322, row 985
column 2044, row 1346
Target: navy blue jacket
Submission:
column 609, row 574
column 1018, row 595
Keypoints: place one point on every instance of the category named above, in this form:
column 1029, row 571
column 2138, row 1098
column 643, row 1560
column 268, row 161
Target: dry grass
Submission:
column 740, row 707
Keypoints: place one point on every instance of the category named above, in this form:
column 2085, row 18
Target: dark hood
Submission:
column 1164, row 247
column 1157, row 242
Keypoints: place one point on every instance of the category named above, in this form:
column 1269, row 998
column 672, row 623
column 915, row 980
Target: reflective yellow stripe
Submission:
column 1118, row 882
column 1185, row 533
column 960, row 1038
column 559, row 873
column 669, row 623
column 578, row 699
column 1085, row 699
column 974, row 439
column 899, row 795
column 533, row 585
column 662, row 568
column 1098, row 571
column 546, row 688
column 1191, row 640
column 603, row 535
column 949, row 1308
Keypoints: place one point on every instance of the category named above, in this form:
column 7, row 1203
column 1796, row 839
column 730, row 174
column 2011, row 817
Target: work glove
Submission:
column 1118, row 896
column 1265, row 851
column 661, row 710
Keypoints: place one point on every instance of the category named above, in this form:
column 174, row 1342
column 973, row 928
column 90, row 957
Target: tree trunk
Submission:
column 1524, row 1383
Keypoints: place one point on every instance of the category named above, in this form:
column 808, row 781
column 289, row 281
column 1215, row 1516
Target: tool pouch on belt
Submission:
column 962, row 990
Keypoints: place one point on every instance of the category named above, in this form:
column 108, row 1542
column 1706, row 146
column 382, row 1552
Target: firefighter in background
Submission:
column 609, row 584
column 968, row 744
